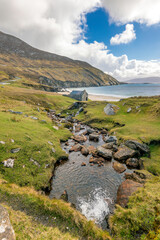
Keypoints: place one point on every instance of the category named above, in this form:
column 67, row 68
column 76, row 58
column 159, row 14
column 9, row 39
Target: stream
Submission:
column 91, row 188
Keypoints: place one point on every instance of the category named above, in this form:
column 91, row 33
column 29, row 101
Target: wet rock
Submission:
column 15, row 150
column 90, row 131
column 124, row 153
column 76, row 148
column 109, row 139
column 134, row 177
column 6, row 229
column 94, row 160
column 77, row 128
column 110, row 109
column 111, row 146
column 84, row 151
column 9, row 163
column 135, row 145
column 129, row 110
column 132, row 163
column 80, row 138
column 105, row 153
column 83, row 164
column 94, row 137
column 91, row 149
column 64, row 196
column 118, row 167
column 125, row 190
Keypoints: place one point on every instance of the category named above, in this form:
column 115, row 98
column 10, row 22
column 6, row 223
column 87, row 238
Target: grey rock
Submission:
column 135, row 145
column 34, row 162
column 34, row 118
column 110, row 109
column 132, row 163
column 9, row 163
column 53, row 150
column 43, row 121
column 109, row 139
column 129, row 110
column 15, row 150
column 1, row 142
column 50, row 143
column 105, row 153
column 124, row 153
column 14, row 112
column 6, row 229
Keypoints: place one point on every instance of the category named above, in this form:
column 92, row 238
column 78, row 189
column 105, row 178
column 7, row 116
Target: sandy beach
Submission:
column 97, row 97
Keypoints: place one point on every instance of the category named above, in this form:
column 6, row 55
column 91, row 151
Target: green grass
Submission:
column 35, row 216
column 30, row 135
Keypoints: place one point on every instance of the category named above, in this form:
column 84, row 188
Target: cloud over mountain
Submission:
column 59, row 27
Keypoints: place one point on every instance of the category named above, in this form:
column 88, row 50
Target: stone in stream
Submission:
column 109, row 139
column 124, row 153
column 105, row 153
column 125, row 190
column 111, row 146
column 91, row 149
column 83, row 164
column 6, row 229
column 77, row 147
column 133, row 163
column 77, row 128
column 9, row 163
column 94, row 137
column 135, row 145
column 84, row 151
column 99, row 160
column 118, row 167
column 80, row 138
column 15, row 150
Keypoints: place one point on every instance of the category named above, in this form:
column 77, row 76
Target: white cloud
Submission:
column 56, row 26
column 125, row 37
column 125, row 11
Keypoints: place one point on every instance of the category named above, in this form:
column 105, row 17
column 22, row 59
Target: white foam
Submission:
column 95, row 206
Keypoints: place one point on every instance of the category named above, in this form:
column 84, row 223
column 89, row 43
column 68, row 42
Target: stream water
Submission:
column 92, row 189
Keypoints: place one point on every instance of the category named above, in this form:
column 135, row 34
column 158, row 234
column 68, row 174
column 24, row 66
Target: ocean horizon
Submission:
column 124, row 90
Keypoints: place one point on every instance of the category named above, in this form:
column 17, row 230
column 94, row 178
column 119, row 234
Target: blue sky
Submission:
column 120, row 37
column 146, row 46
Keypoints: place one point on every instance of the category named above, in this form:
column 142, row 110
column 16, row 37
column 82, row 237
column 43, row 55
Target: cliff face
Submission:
column 17, row 58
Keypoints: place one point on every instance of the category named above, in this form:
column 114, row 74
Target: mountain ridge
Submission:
column 148, row 80
column 19, row 59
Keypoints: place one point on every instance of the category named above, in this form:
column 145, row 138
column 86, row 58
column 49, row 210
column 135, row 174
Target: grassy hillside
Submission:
column 18, row 59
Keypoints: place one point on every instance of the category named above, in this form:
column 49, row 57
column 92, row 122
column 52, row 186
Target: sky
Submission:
column 122, row 38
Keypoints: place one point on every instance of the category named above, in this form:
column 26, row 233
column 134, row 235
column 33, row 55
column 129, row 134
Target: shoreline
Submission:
column 95, row 97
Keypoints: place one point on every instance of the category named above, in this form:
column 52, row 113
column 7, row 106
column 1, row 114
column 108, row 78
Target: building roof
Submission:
column 77, row 92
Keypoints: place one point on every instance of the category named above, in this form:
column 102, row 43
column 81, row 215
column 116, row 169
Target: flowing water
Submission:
column 92, row 189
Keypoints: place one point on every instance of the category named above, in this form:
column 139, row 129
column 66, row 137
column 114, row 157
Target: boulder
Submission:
column 109, row 139
column 80, row 138
column 9, row 163
column 118, row 167
column 134, row 177
column 110, row 109
column 94, row 137
column 75, row 148
column 105, row 153
column 135, row 145
column 84, row 151
column 132, row 163
column 124, row 153
column 111, row 146
column 99, row 160
column 125, row 190
column 6, row 229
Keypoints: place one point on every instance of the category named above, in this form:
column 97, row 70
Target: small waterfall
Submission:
column 96, row 205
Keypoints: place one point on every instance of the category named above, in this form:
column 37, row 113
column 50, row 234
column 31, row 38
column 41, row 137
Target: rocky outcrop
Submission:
column 110, row 109
column 105, row 153
column 125, row 190
column 124, row 153
column 141, row 147
column 6, row 229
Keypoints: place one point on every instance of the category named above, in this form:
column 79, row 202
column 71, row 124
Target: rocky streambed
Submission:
column 97, row 168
